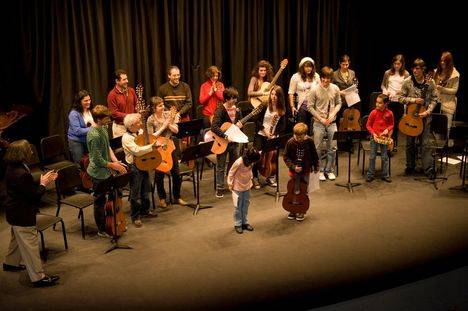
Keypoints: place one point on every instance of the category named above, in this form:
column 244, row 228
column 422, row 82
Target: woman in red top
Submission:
column 211, row 93
column 379, row 123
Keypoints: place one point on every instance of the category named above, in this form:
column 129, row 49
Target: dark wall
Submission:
column 56, row 48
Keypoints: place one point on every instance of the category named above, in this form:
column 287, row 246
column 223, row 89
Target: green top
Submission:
column 98, row 146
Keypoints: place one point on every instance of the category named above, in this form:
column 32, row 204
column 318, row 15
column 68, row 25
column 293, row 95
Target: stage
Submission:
column 349, row 245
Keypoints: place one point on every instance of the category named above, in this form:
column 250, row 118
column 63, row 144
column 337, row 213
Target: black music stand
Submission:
column 348, row 137
column 195, row 153
column 112, row 185
column 189, row 128
column 276, row 144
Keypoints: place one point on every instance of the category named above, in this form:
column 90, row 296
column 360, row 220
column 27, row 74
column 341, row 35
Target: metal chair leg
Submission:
column 57, row 214
column 64, row 234
column 80, row 214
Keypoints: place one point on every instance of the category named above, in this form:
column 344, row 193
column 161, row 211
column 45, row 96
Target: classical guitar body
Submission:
column 150, row 160
column 220, row 144
column 165, row 150
column 412, row 124
column 257, row 101
column 120, row 226
column 296, row 199
column 351, row 117
column 268, row 164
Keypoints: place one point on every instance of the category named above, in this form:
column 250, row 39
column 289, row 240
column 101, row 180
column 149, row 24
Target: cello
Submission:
column 296, row 199
column 267, row 164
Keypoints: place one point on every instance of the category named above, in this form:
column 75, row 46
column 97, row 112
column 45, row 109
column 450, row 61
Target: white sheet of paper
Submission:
column 351, row 95
column 451, row 161
column 236, row 135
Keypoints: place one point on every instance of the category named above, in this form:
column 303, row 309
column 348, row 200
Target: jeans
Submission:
column 233, row 151
column 77, row 149
column 241, row 207
column 176, row 179
column 140, row 187
column 373, row 154
column 412, row 149
column 320, row 131
column 99, row 206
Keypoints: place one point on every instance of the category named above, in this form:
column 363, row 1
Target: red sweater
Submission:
column 209, row 102
column 120, row 104
column 378, row 121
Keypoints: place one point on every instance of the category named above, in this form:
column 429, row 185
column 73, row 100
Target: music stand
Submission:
column 189, row 128
column 113, row 184
column 275, row 144
column 195, row 153
column 348, row 137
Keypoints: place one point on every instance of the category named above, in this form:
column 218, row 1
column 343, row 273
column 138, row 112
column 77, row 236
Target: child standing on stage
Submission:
column 301, row 142
column 239, row 181
column 379, row 123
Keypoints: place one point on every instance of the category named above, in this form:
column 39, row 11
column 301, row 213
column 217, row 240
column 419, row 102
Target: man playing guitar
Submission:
column 418, row 90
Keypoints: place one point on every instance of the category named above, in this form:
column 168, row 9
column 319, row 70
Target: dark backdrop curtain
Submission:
column 56, row 48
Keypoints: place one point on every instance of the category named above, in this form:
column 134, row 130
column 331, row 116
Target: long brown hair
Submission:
column 447, row 58
column 304, row 76
column 18, row 151
column 269, row 73
column 401, row 59
column 280, row 106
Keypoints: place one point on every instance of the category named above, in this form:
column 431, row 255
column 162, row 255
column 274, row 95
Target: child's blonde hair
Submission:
column 300, row 129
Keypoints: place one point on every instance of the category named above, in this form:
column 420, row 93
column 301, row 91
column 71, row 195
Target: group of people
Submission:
column 315, row 98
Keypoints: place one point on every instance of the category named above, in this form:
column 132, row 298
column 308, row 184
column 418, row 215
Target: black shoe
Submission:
column 13, row 268
column 247, row 227
column 219, row 193
column 387, row 179
column 238, row 229
column 430, row 174
column 409, row 171
column 46, row 281
column 291, row 216
column 369, row 178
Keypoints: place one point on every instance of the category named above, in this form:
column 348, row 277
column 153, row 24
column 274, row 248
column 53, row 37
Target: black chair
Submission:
column 53, row 153
column 115, row 143
column 364, row 145
column 67, row 181
column 43, row 222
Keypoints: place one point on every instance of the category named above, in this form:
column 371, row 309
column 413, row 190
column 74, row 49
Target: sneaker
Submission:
column 256, row 184
column 238, row 229
column 331, row 176
column 219, row 193
column 181, row 201
column 291, row 216
column 247, row 227
column 162, row 203
column 300, row 217
column 322, row 176
column 271, row 182
column 387, row 179
column 137, row 223
column 369, row 178
column 103, row 234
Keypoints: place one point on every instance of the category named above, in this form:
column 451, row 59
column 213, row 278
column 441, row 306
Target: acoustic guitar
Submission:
column 411, row 124
column 351, row 120
column 167, row 146
column 296, row 199
column 266, row 86
column 149, row 161
column 115, row 226
column 220, row 144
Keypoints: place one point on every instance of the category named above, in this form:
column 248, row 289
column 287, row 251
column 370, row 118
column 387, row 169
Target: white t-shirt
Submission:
column 394, row 86
column 297, row 85
column 267, row 121
column 88, row 118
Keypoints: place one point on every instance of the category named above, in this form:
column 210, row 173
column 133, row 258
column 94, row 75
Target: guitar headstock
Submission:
column 284, row 63
column 141, row 106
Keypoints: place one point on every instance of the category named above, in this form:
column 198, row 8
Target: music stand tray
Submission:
column 275, row 144
column 348, row 137
column 194, row 153
column 112, row 184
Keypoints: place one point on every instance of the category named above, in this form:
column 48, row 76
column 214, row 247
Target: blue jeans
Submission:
column 413, row 149
column 77, row 150
column 242, row 207
column 139, row 189
column 320, row 131
column 373, row 154
column 233, row 151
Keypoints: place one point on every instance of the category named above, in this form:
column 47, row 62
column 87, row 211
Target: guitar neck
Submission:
column 250, row 115
column 273, row 82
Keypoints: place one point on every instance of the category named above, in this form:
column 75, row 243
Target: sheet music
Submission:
column 351, row 95
column 236, row 135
